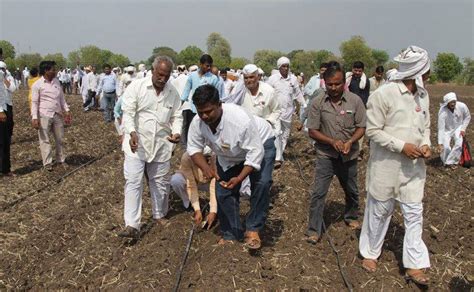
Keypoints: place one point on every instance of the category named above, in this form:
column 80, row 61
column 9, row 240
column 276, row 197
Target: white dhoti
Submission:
column 179, row 186
column 282, row 139
column 376, row 221
column 158, row 182
column 451, row 155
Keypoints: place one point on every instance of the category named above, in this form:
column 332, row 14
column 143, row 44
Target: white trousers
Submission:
column 179, row 186
column 282, row 139
column 452, row 155
column 376, row 221
column 158, row 183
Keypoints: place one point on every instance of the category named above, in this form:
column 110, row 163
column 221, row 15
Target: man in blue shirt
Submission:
column 108, row 84
column 196, row 79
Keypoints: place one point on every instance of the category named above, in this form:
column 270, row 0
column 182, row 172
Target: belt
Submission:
column 110, row 92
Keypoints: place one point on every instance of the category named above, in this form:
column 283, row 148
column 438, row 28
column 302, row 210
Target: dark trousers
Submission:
column 6, row 132
column 90, row 98
column 346, row 172
column 188, row 116
column 109, row 104
column 228, row 201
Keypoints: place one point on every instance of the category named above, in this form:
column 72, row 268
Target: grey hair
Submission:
column 163, row 59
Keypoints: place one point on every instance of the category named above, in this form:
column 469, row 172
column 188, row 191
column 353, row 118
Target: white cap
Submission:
column 250, row 69
column 3, row 65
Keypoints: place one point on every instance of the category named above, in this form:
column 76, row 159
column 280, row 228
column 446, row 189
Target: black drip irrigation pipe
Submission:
column 57, row 181
column 347, row 283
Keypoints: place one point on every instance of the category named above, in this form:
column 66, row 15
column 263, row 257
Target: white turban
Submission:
column 142, row 67
column 193, row 68
column 451, row 96
column 260, row 71
column 3, row 65
column 283, row 61
column 250, row 69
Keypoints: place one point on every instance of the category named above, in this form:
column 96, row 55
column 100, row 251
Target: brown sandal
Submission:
column 252, row 240
column 417, row 276
column 370, row 265
column 313, row 239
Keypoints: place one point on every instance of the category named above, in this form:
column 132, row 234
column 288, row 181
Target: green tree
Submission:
column 105, row 55
column 303, row 61
column 118, row 60
column 356, row 49
column 447, row 66
column 58, row 58
column 189, row 56
column 292, row 54
column 323, row 56
column 219, row 48
column 267, row 59
column 163, row 51
column 73, row 59
column 11, row 63
column 91, row 55
column 29, row 60
column 238, row 63
column 468, row 72
column 8, row 49
column 380, row 57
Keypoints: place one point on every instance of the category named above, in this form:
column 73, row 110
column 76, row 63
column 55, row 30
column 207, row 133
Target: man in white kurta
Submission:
column 453, row 119
column 398, row 126
column 152, row 124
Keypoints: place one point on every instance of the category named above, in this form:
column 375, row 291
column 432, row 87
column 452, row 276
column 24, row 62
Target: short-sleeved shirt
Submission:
column 337, row 122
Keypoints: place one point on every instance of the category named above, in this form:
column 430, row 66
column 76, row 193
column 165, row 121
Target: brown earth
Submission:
column 64, row 237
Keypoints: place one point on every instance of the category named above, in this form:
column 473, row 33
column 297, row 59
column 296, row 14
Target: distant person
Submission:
column 109, row 85
column 6, row 119
column 24, row 76
column 142, row 72
column 228, row 83
column 453, row 119
column 34, row 76
column 377, row 80
column 49, row 113
column 92, row 83
column 85, row 86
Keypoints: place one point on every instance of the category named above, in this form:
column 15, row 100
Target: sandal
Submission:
column 252, row 240
column 417, row 276
column 223, row 241
column 353, row 224
column 370, row 265
column 313, row 239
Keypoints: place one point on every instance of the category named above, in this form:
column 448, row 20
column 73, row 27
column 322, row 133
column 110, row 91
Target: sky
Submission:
column 134, row 27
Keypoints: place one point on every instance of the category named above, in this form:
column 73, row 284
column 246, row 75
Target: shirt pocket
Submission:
column 164, row 113
column 348, row 120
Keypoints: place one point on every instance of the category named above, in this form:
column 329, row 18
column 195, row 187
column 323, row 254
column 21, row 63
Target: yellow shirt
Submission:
column 31, row 81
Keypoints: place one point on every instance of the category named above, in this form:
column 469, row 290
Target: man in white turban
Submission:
column 398, row 126
column 453, row 119
column 286, row 91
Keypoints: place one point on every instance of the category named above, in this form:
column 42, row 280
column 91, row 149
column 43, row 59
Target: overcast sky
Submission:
column 135, row 27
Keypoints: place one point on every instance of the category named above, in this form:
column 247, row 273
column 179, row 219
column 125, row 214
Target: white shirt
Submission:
column 5, row 93
column 264, row 105
column 286, row 90
column 228, row 85
column 85, row 84
column 239, row 137
column 9, row 90
column 143, row 74
column 394, row 117
column 374, row 84
column 179, row 83
column 450, row 123
column 125, row 80
column 92, row 81
column 153, row 117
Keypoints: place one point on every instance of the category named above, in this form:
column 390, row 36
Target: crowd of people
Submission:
column 234, row 126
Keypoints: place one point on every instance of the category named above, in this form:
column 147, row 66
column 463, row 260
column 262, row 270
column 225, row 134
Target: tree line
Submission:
column 447, row 67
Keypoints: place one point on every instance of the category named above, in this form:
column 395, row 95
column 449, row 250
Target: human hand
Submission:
column 67, row 118
column 133, row 142
column 338, row 145
column 411, row 151
column 174, row 138
column 426, row 151
column 3, row 117
column 35, row 123
column 347, row 147
column 197, row 217
column 210, row 218
column 232, row 183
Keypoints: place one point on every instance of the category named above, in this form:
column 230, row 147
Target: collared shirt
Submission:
column 286, row 90
column 194, row 81
column 92, row 81
column 452, row 122
column 264, row 104
column 313, row 84
column 3, row 92
column 179, row 83
column 374, row 83
column 228, row 85
column 108, row 83
column 337, row 122
column 394, row 117
column 9, row 90
column 239, row 137
column 153, row 117
column 47, row 98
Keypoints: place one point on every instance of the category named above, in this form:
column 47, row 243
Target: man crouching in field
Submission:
column 244, row 145
column 152, row 123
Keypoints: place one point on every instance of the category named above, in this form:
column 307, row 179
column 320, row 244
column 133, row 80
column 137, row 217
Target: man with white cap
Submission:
column 7, row 87
column 286, row 90
column 398, row 126
column 142, row 73
column 453, row 119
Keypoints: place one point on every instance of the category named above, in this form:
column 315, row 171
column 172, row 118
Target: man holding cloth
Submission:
column 398, row 126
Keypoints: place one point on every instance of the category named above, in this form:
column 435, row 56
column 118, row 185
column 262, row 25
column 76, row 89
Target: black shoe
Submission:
column 129, row 232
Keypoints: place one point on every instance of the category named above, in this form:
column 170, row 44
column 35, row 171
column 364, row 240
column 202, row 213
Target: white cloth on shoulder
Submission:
column 362, row 83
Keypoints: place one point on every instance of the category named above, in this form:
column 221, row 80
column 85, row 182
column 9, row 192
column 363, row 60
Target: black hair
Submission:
column 379, row 69
column 106, row 66
column 332, row 68
column 34, row 72
column 181, row 69
column 358, row 65
column 225, row 69
column 46, row 66
column 206, row 94
column 206, row 59
column 323, row 65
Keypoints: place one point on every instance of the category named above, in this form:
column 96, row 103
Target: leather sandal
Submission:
column 370, row 265
column 252, row 240
column 417, row 276
column 313, row 239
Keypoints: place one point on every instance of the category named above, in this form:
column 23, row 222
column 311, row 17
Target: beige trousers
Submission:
column 56, row 126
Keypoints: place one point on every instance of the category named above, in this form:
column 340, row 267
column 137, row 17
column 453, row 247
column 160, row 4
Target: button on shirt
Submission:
column 394, row 117
column 239, row 137
column 337, row 122
column 153, row 117
column 108, row 83
column 194, row 81
column 286, row 90
column 47, row 98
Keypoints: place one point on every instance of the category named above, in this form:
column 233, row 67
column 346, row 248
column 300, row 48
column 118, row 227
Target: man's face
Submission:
column 93, row 70
column 251, row 80
column 107, row 70
column 357, row 72
column 51, row 73
column 378, row 76
column 224, row 75
column 335, row 85
column 205, row 67
column 284, row 69
column 160, row 75
column 322, row 70
column 426, row 76
column 209, row 113
column 130, row 72
column 452, row 105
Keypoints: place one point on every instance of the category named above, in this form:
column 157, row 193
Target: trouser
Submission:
column 346, row 172
column 68, row 89
column 282, row 139
column 56, row 126
column 188, row 116
column 109, row 104
column 452, row 155
column 158, row 183
column 90, row 99
column 228, row 201
column 6, row 132
column 376, row 221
